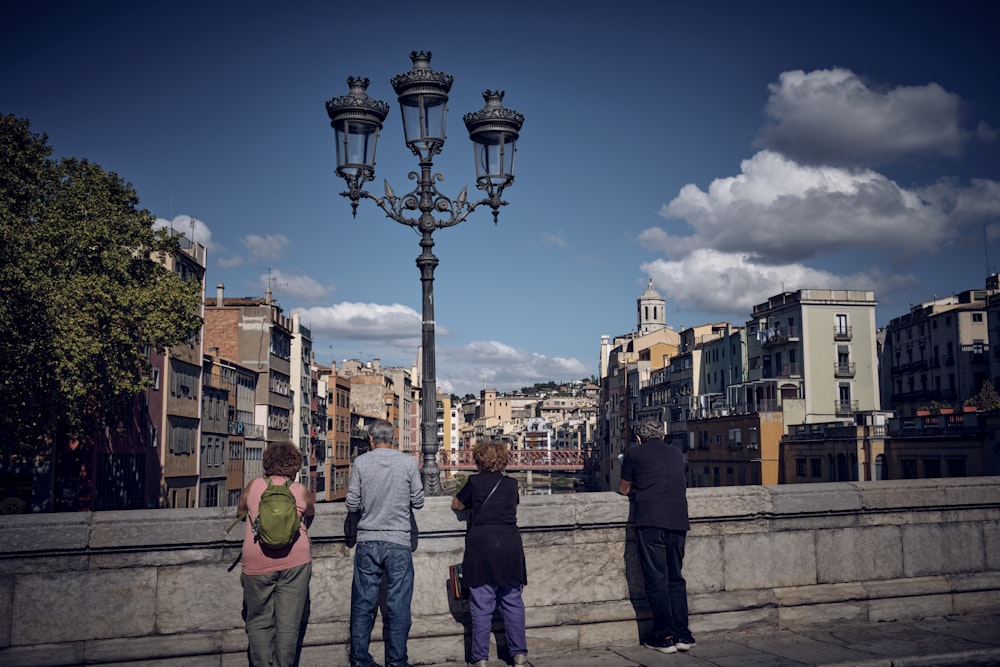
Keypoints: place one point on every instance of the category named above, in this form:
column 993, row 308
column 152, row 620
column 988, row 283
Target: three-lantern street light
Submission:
column 422, row 92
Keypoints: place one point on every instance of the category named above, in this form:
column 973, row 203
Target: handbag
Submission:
column 456, row 579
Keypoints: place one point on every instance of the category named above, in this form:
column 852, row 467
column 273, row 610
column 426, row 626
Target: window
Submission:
column 800, row 467
column 815, row 467
column 977, row 317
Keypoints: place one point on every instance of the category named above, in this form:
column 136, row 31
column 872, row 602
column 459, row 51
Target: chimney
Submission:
column 220, row 290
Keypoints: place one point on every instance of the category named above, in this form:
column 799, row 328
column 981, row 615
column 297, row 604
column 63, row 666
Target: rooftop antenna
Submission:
column 986, row 249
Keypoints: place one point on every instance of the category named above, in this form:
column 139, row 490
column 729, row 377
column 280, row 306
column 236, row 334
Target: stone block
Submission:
column 50, row 655
column 134, row 649
column 857, row 554
column 576, row 573
column 140, row 528
column 552, row 637
column 196, row 598
column 611, row 633
column 727, row 601
column 991, row 539
column 972, row 491
column 35, row 564
column 596, row 612
column 702, row 556
column 976, row 581
column 903, row 608
column 729, row 503
column 153, row 558
column 795, row 596
column 912, row 587
column 45, row 532
column 769, row 560
column 942, row 549
column 976, row 602
column 734, row 620
column 821, row 614
column 820, row 500
column 74, row 606
column 903, row 494
column 311, row 656
column 6, row 608
column 330, row 590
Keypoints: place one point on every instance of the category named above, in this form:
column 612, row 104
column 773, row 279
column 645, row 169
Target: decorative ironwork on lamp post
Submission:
column 423, row 99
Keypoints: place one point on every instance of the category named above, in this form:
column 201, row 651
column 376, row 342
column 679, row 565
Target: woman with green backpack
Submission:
column 277, row 557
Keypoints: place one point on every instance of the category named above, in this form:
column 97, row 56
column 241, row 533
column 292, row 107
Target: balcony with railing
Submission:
column 778, row 335
column 845, row 407
column 842, row 333
column 843, row 369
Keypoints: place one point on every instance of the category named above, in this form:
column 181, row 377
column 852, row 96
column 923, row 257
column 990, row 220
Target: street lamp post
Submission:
column 423, row 99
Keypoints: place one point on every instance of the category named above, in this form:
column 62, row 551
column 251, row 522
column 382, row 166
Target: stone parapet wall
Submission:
column 161, row 587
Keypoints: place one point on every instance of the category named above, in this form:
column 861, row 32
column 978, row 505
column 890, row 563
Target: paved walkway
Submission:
column 972, row 640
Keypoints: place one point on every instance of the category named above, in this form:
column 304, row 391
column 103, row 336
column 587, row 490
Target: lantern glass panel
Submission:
column 494, row 152
column 356, row 143
column 424, row 118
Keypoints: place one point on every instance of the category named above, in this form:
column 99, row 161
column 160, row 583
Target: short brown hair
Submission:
column 490, row 456
column 282, row 458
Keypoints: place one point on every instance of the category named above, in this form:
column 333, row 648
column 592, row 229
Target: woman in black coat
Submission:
column 493, row 568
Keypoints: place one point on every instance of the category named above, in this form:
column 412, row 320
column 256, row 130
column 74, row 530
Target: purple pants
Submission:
column 482, row 601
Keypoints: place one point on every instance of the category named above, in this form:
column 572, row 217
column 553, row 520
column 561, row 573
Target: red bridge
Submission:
column 521, row 459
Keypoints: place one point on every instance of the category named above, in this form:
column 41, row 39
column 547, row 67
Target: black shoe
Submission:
column 685, row 644
column 664, row 645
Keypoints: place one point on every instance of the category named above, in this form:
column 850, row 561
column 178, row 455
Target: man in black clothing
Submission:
column 653, row 477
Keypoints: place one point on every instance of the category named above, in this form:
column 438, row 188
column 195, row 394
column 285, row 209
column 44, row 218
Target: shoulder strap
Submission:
column 490, row 495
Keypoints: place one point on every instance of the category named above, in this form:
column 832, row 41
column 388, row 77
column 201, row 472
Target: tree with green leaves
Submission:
column 987, row 399
column 83, row 297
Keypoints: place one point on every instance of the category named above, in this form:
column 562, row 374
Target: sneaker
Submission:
column 521, row 659
column 664, row 645
column 685, row 644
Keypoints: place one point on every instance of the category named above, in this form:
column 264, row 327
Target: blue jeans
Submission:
column 661, row 553
column 372, row 559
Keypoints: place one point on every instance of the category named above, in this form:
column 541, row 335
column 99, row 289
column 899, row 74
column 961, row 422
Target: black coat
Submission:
column 494, row 553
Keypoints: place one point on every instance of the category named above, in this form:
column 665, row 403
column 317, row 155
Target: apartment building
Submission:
column 938, row 353
column 626, row 365
column 338, row 435
column 180, row 376
column 213, row 471
column 253, row 333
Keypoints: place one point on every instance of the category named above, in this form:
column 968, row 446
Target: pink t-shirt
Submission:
column 255, row 561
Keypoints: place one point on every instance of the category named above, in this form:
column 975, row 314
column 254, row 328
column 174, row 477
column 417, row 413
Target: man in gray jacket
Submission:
column 385, row 486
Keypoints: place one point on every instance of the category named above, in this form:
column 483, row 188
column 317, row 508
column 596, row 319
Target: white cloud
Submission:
column 229, row 262
column 270, row 246
column 302, row 288
column 555, row 240
column 468, row 368
column 832, row 116
column 395, row 331
column 366, row 321
column 191, row 227
column 779, row 211
column 731, row 283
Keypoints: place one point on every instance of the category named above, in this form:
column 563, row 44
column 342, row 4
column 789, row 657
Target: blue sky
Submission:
column 727, row 150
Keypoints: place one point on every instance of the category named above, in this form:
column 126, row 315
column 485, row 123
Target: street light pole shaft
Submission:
column 427, row 262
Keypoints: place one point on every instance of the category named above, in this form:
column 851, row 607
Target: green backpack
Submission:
column 277, row 523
